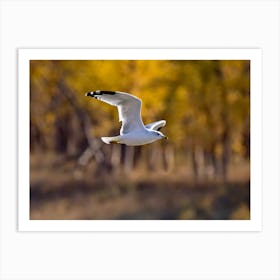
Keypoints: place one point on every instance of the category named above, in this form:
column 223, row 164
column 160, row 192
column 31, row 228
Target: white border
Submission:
column 254, row 224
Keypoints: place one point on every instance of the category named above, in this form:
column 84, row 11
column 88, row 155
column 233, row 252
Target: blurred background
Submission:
column 201, row 172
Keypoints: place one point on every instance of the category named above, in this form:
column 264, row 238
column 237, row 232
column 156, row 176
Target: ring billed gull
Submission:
column 133, row 132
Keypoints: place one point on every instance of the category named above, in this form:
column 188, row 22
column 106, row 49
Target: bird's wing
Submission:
column 129, row 108
column 156, row 125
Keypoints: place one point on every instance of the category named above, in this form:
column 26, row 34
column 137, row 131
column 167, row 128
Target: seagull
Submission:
column 133, row 132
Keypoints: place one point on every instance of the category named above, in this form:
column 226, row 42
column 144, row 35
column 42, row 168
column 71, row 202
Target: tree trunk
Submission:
column 154, row 157
column 194, row 164
column 225, row 155
column 116, row 156
column 61, row 135
column 129, row 159
column 94, row 145
column 168, row 158
column 198, row 163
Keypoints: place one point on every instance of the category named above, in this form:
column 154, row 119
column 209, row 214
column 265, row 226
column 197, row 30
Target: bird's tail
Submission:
column 111, row 140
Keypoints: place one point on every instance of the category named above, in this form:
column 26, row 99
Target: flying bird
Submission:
column 133, row 132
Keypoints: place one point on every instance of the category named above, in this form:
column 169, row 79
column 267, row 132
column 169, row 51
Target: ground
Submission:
column 58, row 192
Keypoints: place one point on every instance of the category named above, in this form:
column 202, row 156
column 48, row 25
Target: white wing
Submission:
column 129, row 108
column 156, row 125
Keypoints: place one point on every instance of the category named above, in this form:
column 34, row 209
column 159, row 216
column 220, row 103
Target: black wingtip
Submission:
column 106, row 92
column 100, row 92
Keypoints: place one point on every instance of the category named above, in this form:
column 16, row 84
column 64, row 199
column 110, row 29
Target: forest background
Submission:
column 201, row 172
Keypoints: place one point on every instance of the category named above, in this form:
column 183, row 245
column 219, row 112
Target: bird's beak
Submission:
column 165, row 137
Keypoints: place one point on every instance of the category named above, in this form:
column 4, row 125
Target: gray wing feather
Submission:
column 129, row 108
column 156, row 125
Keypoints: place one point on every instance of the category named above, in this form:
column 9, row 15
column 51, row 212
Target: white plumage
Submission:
column 133, row 132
